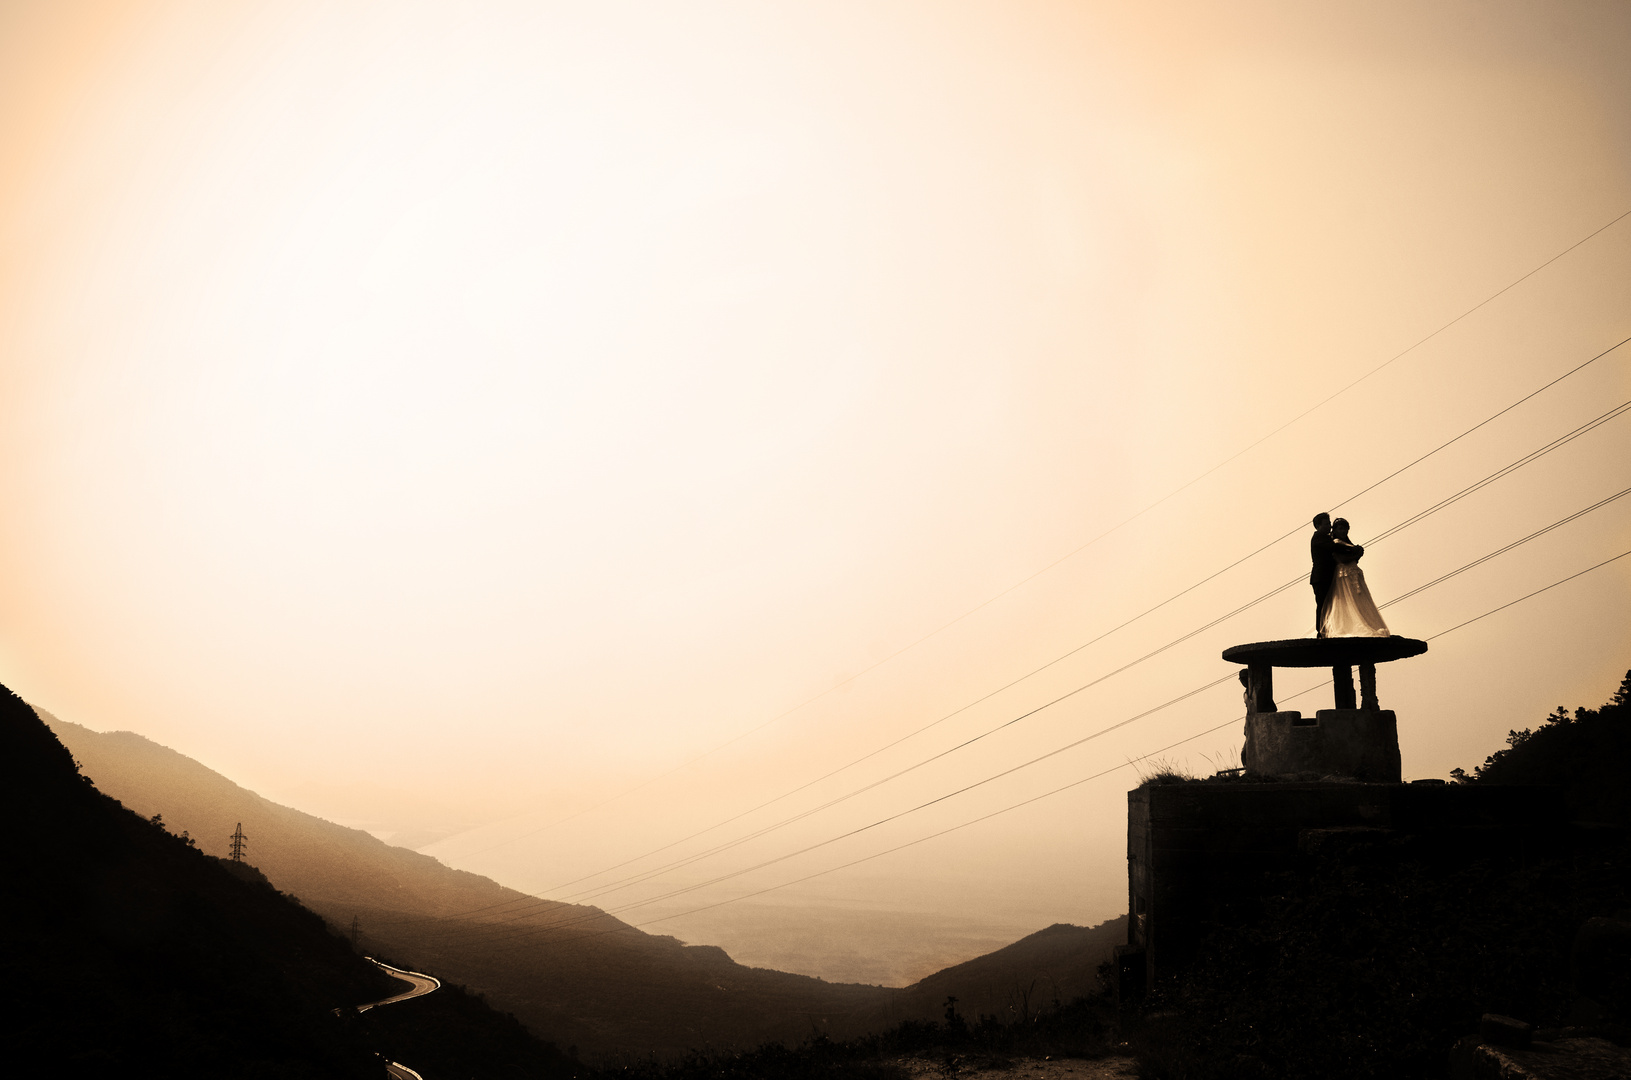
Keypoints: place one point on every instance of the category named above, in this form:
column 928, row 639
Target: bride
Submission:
column 1349, row 610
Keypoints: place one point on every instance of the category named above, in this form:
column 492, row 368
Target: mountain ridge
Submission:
column 281, row 837
column 126, row 951
column 574, row 974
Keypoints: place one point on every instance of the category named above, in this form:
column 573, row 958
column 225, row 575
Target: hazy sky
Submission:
column 445, row 417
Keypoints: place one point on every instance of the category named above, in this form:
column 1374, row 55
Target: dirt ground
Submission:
column 961, row 1067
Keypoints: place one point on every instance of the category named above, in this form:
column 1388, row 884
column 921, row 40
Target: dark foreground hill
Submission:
column 572, row 974
column 124, row 951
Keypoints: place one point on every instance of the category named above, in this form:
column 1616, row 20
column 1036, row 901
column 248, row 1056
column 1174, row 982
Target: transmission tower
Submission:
column 356, row 931
column 238, row 843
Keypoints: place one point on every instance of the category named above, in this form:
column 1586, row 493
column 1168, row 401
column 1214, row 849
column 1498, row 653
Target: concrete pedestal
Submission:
column 1359, row 743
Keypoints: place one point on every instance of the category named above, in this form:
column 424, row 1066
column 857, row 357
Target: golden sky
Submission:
column 446, row 417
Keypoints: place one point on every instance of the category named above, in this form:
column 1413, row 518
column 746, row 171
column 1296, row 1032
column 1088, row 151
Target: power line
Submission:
column 1527, row 596
column 1485, row 481
column 1499, row 474
column 1052, row 753
column 1083, row 780
column 1076, row 551
column 646, row 875
column 1121, row 724
column 539, row 903
column 643, row 903
column 1502, row 551
column 1164, row 749
column 1562, row 440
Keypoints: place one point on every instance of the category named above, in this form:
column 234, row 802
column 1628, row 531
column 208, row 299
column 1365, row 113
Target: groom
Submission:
column 1320, row 547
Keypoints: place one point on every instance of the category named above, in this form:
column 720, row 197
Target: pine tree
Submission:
column 1622, row 696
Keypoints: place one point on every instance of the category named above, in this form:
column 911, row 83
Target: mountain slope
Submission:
column 125, row 951
column 1055, row 965
column 573, row 974
column 327, row 865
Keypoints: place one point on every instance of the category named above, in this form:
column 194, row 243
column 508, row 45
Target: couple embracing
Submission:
column 1342, row 604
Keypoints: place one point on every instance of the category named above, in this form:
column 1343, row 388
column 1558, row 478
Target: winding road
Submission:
column 422, row 985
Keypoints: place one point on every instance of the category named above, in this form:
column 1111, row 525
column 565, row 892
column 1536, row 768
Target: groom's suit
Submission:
column 1321, row 550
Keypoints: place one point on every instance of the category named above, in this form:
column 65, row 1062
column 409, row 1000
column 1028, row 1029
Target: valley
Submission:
column 584, row 979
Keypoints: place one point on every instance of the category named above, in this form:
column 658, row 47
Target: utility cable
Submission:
column 1106, row 730
column 1491, row 478
column 1075, row 783
column 1072, row 553
column 1055, row 752
column 538, row 903
column 1502, row 551
column 646, row 875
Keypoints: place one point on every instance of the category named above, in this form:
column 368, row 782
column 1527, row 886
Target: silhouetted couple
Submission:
column 1342, row 604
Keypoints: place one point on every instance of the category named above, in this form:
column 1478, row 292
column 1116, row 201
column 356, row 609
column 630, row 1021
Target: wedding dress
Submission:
column 1349, row 610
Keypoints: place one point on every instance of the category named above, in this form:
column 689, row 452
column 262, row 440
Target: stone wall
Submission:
column 1202, row 855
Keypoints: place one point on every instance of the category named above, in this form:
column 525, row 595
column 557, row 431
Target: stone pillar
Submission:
column 1342, row 678
column 1260, row 687
column 1367, row 688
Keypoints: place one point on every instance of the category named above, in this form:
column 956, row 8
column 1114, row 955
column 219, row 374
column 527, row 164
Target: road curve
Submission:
column 422, row 985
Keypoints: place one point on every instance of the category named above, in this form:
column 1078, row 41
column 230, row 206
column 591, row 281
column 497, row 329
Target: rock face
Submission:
column 1361, row 744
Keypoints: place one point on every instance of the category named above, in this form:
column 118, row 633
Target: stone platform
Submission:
column 1356, row 740
column 1324, row 652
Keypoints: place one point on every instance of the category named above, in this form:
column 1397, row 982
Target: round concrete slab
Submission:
column 1325, row 652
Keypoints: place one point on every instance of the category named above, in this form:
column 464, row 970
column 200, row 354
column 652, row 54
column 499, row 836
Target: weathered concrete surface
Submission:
column 1361, row 744
column 1565, row 1059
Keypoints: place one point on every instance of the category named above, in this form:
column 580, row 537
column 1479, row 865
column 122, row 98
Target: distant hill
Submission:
column 572, row 974
column 124, row 951
column 1018, row 981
